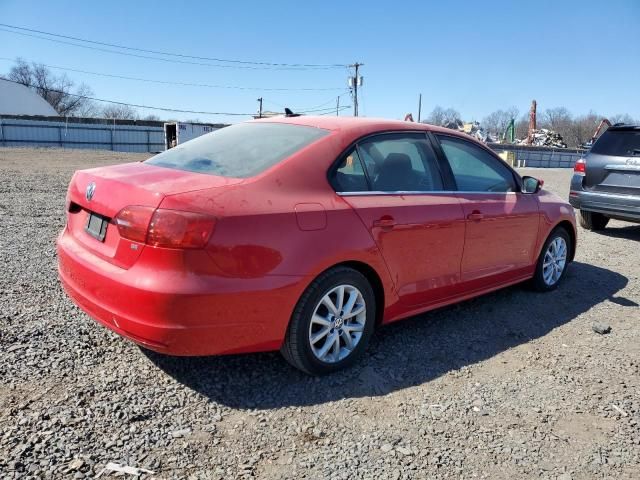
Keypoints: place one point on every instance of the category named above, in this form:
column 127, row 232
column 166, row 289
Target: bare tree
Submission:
column 557, row 119
column 622, row 118
column 119, row 112
column 522, row 127
column 498, row 121
column 441, row 116
column 59, row 91
column 582, row 129
column 152, row 118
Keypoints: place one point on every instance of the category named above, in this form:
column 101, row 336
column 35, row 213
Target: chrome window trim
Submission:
column 411, row 192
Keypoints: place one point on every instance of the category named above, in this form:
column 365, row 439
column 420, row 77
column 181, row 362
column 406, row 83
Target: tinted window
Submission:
column 620, row 143
column 349, row 176
column 475, row 169
column 241, row 150
column 400, row 162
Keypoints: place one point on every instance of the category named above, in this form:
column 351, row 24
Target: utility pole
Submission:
column 338, row 106
column 419, row 107
column 354, row 82
column 260, row 107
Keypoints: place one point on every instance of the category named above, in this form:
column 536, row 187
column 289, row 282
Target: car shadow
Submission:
column 631, row 232
column 404, row 354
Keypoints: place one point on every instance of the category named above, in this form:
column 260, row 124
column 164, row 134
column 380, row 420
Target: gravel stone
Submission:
column 601, row 328
column 75, row 396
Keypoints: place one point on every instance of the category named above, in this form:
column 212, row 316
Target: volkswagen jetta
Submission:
column 303, row 234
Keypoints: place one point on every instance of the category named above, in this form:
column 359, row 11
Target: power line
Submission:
column 165, row 109
column 304, row 66
column 150, row 107
column 165, row 82
column 308, row 109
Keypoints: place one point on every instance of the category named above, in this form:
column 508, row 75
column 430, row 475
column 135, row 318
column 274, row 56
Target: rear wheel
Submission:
column 332, row 322
column 593, row 220
column 553, row 261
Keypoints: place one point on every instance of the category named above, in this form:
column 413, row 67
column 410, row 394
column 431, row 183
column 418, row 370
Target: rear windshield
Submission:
column 241, row 150
column 619, row 143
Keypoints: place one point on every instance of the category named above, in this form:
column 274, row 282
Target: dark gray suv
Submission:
column 606, row 181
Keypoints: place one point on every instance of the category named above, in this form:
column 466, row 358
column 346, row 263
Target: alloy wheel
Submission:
column 555, row 260
column 337, row 324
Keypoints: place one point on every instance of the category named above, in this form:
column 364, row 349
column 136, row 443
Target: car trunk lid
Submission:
column 613, row 164
column 96, row 196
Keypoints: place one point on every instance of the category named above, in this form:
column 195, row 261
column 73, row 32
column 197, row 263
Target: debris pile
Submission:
column 545, row 138
column 475, row 130
column 471, row 128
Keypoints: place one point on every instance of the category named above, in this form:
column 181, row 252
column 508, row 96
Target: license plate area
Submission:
column 96, row 226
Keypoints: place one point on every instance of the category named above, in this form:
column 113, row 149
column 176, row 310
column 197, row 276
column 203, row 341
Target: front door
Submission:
column 502, row 223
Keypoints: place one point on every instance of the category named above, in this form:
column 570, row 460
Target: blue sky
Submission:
column 475, row 56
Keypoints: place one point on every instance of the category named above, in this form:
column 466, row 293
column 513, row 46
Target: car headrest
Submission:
column 397, row 162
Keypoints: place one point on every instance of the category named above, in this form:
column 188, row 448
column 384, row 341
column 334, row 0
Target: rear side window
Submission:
column 401, row 162
column 619, row 143
column 474, row 169
column 241, row 150
column 349, row 176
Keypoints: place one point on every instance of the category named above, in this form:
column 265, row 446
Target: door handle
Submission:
column 385, row 222
column 475, row 216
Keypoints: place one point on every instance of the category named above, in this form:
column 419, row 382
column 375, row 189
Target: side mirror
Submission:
column 531, row 185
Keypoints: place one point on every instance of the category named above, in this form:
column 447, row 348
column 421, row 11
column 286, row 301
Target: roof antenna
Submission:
column 289, row 113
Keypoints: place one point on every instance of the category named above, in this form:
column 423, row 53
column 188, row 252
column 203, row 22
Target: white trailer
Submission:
column 176, row 133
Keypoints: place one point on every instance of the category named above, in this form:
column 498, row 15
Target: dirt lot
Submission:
column 511, row 385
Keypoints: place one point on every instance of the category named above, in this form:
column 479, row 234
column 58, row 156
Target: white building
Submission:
column 16, row 99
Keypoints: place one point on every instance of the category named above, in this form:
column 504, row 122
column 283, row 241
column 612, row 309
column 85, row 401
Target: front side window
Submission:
column 242, row 150
column 474, row 169
column 400, row 162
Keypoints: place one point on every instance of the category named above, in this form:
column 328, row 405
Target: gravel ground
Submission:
column 511, row 385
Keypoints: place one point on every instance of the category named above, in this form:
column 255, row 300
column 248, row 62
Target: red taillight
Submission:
column 133, row 222
column 165, row 228
column 580, row 167
column 177, row 229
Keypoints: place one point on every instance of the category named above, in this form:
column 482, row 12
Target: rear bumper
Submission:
column 625, row 207
column 178, row 312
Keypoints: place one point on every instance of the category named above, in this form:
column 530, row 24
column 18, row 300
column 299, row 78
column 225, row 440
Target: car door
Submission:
column 501, row 222
column 394, row 183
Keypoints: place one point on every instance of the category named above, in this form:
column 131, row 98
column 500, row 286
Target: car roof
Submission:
column 618, row 128
column 328, row 122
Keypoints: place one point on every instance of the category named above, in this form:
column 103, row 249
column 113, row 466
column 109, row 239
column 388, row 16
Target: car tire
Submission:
column 299, row 348
column 593, row 220
column 542, row 281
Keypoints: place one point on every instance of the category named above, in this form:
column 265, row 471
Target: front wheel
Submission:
column 332, row 322
column 553, row 261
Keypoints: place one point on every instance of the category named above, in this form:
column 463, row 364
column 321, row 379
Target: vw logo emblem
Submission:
column 91, row 189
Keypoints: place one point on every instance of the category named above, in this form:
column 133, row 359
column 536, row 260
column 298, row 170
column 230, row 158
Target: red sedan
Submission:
column 303, row 234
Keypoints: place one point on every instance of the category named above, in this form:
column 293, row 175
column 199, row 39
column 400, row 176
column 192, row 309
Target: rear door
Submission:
column 394, row 183
column 501, row 223
column 613, row 164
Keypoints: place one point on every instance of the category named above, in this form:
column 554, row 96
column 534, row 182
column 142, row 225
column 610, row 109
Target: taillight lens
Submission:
column 580, row 167
column 133, row 222
column 178, row 229
column 165, row 228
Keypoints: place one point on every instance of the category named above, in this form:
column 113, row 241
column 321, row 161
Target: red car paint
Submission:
column 275, row 232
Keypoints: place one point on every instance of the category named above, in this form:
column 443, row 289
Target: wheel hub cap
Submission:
column 555, row 260
column 337, row 323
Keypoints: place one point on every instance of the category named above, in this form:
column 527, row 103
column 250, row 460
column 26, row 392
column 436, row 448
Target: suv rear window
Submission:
column 241, row 150
column 619, row 143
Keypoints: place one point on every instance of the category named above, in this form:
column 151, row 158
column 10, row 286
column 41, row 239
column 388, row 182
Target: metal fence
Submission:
column 527, row 156
column 106, row 135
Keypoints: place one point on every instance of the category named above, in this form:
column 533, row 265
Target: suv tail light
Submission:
column 580, row 167
column 165, row 228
